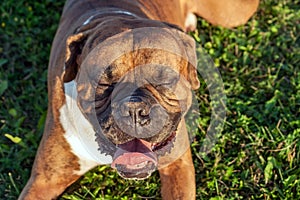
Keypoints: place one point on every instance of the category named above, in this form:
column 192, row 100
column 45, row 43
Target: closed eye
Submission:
column 165, row 77
column 103, row 93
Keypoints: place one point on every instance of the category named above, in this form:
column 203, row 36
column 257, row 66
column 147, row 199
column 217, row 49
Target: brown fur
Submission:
column 226, row 13
column 53, row 169
column 54, row 164
column 178, row 179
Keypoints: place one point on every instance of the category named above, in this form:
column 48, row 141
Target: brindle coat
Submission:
column 54, row 165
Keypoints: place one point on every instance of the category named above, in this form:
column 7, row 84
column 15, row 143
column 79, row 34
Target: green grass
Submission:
column 257, row 155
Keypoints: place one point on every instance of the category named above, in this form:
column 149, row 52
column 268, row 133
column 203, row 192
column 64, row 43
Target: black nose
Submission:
column 139, row 116
column 135, row 110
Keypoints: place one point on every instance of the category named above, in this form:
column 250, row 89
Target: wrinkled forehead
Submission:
column 141, row 65
column 122, row 52
column 139, row 49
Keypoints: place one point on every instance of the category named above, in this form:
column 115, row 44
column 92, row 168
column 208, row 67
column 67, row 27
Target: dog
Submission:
column 120, row 78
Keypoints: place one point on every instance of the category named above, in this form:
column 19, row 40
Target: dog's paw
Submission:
column 190, row 23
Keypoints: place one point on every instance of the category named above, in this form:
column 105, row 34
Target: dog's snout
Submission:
column 136, row 114
column 137, row 110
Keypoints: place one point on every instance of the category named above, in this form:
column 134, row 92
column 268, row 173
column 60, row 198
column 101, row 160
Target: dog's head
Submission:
column 134, row 86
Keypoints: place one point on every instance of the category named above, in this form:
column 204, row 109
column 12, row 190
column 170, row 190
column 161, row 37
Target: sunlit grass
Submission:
column 257, row 155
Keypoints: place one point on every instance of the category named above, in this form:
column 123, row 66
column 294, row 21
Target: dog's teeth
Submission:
column 137, row 166
column 143, row 164
column 153, row 146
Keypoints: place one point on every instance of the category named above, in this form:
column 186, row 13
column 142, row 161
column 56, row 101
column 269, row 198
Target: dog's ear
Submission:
column 193, row 77
column 190, row 53
column 74, row 47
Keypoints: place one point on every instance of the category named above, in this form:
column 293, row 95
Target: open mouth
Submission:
column 137, row 159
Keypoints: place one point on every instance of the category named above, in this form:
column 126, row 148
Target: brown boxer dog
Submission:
column 119, row 84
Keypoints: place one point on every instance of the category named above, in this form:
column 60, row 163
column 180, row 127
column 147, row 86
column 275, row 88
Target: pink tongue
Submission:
column 133, row 153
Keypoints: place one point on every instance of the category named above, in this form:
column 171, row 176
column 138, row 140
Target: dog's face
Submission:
column 137, row 98
column 139, row 110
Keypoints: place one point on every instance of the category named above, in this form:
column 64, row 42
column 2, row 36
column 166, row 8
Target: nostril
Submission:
column 133, row 110
column 138, row 115
column 139, row 112
column 142, row 112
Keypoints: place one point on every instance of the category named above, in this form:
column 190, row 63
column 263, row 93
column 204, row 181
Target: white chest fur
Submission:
column 79, row 133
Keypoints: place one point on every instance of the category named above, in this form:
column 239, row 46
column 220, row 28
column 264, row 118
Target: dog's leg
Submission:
column 226, row 13
column 53, row 171
column 178, row 179
column 55, row 166
column 49, row 179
